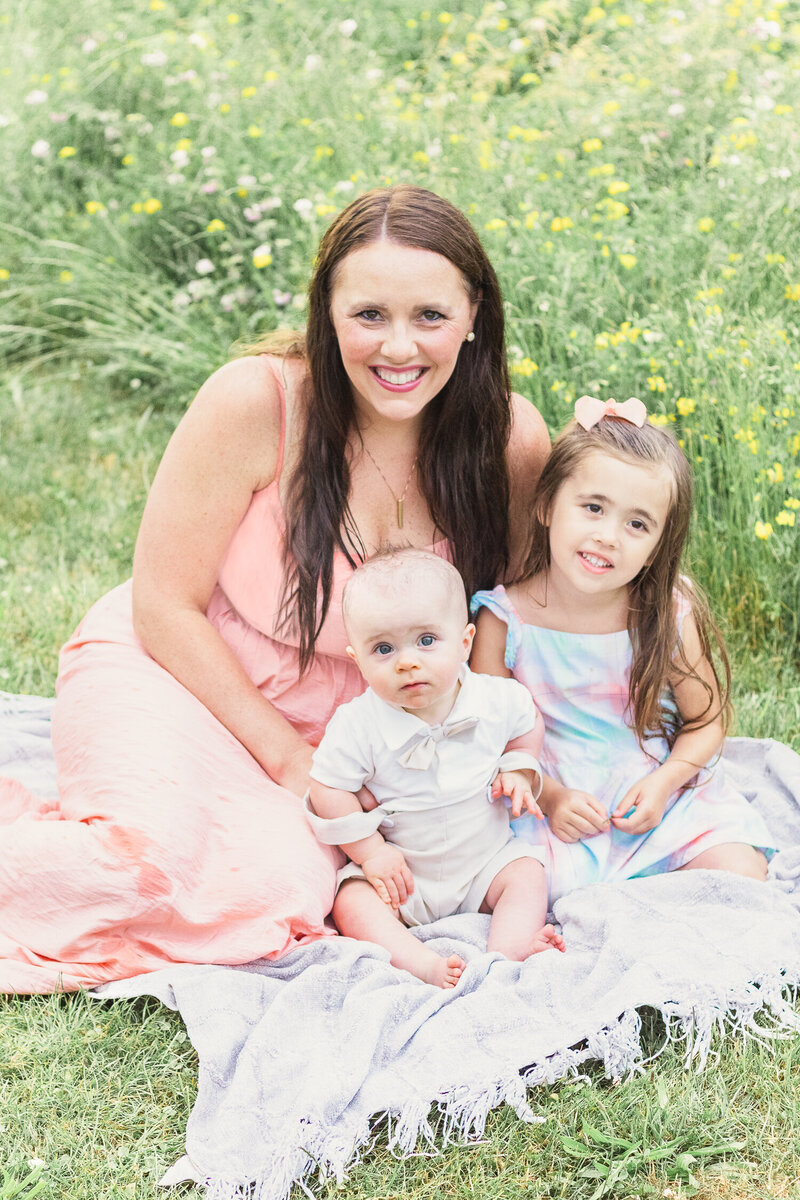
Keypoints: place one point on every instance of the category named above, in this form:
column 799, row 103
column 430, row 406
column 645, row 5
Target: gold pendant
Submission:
column 400, row 514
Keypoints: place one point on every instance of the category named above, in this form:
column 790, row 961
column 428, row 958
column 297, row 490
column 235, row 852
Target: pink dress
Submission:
column 169, row 843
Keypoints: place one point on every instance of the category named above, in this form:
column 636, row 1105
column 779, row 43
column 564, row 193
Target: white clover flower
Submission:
column 89, row 45
column 204, row 266
column 180, row 158
column 37, row 96
column 343, row 185
column 209, row 187
column 373, row 74
column 58, row 118
column 272, row 202
column 312, row 63
column 252, row 213
column 199, row 40
column 208, row 152
column 174, row 178
column 281, row 299
column 764, row 103
column 676, row 110
column 40, row 148
column 347, row 28
column 154, row 58
column 227, row 302
column 246, row 181
column 304, row 207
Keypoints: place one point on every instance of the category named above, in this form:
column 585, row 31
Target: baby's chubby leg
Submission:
column 360, row 913
column 517, row 900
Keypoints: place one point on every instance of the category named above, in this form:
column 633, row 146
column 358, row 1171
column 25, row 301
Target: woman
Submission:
column 189, row 704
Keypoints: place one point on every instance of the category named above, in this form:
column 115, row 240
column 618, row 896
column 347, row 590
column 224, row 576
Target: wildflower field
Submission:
column 169, row 166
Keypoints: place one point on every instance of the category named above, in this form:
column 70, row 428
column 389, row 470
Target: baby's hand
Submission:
column 517, row 785
column 388, row 872
column 574, row 815
column 648, row 800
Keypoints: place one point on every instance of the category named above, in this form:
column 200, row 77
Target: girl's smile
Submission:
column 606, row 522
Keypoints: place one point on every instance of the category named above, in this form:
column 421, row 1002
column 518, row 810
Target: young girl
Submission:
column 615, row 647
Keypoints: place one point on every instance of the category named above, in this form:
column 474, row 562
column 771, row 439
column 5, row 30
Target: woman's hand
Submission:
column 573, row 815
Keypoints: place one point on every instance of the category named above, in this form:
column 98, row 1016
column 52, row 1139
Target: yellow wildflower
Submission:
column 179, row 119
column 255, row 131
column 151, row 205
column 589, row 145
column 94, row 206
column 685, row 405
column 67, row 152
column 628, row 261
column 4, row 273
column 558, row 224
column 656, row 383
column 215, row 226
column 248, row 92
column 706, row 224
column 495, row 223
column 618, row 185
column 525, row 366
column 792, row 291
column 66, row 277
column 658, row 419
column 785, row 518
column 763, row 530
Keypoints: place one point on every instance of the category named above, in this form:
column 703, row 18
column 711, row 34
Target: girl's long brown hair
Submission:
column 462, row 448
column 658, row 657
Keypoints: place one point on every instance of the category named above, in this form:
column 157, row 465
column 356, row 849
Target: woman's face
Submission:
column 401, row 316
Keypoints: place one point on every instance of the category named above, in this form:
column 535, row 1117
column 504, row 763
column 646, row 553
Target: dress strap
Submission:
column 278, row 368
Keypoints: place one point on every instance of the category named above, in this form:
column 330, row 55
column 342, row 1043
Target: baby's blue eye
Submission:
column 427, row 639
column 383, row 648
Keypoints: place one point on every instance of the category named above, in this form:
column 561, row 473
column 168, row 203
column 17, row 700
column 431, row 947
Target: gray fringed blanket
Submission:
column 299, row 1059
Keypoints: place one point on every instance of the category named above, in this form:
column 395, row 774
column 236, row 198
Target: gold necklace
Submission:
column 397, row 499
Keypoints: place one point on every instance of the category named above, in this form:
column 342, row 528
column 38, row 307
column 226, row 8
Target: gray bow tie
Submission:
column 421, row 755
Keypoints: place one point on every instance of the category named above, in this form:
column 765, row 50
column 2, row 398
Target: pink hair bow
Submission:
column 589, row 410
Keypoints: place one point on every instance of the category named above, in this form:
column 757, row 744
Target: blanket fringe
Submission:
column 764, row 1010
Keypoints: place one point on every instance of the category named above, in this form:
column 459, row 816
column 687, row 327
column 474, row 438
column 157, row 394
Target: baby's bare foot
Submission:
column 444, row 972
column 548, row 939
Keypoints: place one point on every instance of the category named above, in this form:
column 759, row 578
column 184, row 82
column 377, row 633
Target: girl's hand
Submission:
column 574, row 815
column 648, row 798
column 388, row 872
column 517, row 785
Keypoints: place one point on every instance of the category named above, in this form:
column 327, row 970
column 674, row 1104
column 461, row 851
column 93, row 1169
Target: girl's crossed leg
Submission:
column 731, row 856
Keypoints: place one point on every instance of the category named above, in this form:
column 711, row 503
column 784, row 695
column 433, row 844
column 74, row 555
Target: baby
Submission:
column 409, row 775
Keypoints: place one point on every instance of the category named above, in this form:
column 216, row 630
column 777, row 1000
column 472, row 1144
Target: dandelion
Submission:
column 525, row 367
column 706, row 224
column 151, row 205
column 684, row 404
column 628, row 261
column 610, row 107
column 792, row 291
column 589, row 145
column 775, row 473
column 94, row 206
column 617, row 186
column 658, row 419
column 785, row 518
column 179, row 119
column 4, row 274
column 248, row 92
column 445, row 18
column 255, row 131
column 157, row 5
column 67, row 152
column 763, row 530
column 595, row 13
column 531, row 218
column 495, row 224
column 215, row 226
column 322, row 152
column 559, row 224
column 66, row 277
column 656, row 383
column 40, row 148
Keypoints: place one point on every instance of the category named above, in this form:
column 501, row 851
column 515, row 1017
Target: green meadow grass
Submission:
column 169, row 168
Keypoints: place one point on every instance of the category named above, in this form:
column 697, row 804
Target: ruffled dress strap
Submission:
column 497, row 602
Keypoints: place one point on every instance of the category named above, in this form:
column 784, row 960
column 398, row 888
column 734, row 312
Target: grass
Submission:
column 631, row 167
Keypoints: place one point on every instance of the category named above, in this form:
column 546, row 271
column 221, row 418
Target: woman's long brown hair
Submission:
column 653, row 625
column 465, row 429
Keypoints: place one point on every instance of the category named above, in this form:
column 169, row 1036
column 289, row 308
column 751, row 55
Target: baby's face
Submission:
column 410, row 648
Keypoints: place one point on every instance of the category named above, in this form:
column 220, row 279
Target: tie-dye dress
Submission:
column 579, row 683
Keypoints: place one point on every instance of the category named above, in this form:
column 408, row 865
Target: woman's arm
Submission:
column 528, row 448
column 224, row 449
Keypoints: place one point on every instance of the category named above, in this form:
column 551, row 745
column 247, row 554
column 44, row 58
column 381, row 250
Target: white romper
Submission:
column 433, row 787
